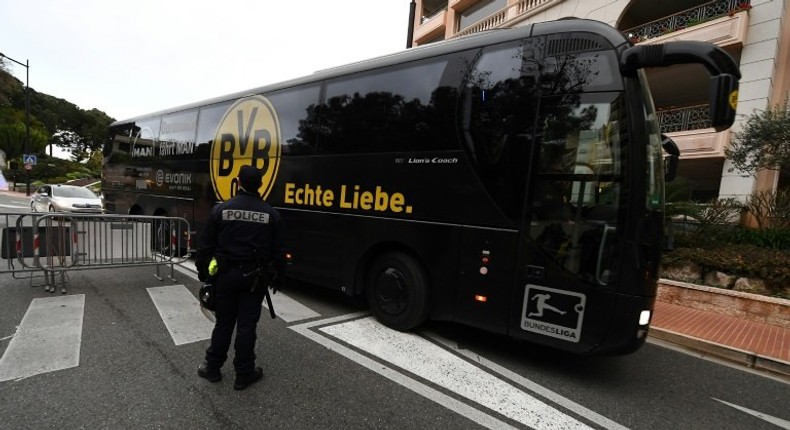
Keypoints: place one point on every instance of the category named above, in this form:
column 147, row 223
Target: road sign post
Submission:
column 29, row 160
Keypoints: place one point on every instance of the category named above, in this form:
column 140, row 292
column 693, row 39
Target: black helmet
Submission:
column 206, row 295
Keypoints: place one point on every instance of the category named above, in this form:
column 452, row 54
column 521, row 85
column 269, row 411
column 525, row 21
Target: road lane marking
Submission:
column 435, row 364
column 529, row 385
column 47, row 339
column 765, row 417
column 428, row 361
column 461, row 408
column 288, row 309
column 180, row 311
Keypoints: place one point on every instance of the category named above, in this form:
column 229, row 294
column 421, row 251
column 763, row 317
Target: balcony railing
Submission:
column 684, row 119
column 687, row 18
column 512, row 13
column 429, row 15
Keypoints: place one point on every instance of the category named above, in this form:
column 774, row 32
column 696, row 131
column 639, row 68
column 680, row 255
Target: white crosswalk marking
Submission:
column 180, row 311
column 430, row 362
column 48, row 338
column 289, row 310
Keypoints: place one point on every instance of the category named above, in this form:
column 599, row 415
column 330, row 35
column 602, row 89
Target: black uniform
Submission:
column 243, row 234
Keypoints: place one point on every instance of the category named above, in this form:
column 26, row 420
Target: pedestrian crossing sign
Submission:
column 29, row 159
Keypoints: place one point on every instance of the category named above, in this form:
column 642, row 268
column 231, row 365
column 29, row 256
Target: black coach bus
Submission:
column 511, row 180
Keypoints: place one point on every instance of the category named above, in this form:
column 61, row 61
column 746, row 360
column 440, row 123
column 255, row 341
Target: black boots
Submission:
column 210, row 373
column 244, row 380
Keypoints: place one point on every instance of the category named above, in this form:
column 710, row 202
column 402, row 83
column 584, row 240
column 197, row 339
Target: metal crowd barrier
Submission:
column 53, row 244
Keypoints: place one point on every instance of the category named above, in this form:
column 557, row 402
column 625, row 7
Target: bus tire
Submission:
column 397, row 291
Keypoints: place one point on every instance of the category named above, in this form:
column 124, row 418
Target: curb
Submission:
column 14, row 193
column 749, row 359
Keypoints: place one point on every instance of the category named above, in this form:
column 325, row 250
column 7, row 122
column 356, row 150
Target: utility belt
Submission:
column 245, row 265
column 256, row 269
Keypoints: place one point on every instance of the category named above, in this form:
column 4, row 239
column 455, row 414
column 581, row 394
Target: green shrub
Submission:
column 703, row 222
column 771, row 238
column 770, row 265
column 771, row 208
column 709, row 235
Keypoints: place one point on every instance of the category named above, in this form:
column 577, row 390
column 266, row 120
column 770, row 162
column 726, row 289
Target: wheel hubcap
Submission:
column 392, row 292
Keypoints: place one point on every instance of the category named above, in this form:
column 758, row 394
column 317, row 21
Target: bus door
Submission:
column 565, row 271
column 497, row 115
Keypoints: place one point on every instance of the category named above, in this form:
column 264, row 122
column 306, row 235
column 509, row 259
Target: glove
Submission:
column 278, row 283
column 202, row 275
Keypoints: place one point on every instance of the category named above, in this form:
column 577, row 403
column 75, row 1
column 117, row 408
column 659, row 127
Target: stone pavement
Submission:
column 754, row 333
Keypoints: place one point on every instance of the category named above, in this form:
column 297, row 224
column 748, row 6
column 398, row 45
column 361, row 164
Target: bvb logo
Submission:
column 248, row 134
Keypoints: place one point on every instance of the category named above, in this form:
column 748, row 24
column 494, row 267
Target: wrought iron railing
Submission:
column 522, row 9
column 684, row 119
column 430, row 15
column 687, row 18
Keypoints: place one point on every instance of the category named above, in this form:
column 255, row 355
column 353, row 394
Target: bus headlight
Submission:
column 644, row 317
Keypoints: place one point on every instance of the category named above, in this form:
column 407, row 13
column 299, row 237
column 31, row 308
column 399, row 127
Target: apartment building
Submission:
column 755, row 32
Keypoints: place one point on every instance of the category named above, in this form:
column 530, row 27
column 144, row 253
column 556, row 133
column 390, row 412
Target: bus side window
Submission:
column 399, row 108
column 298, row 110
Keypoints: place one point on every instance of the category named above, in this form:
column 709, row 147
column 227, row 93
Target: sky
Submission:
column 131, row 57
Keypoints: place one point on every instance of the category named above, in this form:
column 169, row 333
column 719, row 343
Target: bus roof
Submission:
column 425, row 51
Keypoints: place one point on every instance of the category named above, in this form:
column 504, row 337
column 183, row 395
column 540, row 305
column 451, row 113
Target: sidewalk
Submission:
column 753, row 344
column 15, row 193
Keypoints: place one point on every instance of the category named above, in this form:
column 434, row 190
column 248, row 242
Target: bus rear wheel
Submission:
column 397, row 291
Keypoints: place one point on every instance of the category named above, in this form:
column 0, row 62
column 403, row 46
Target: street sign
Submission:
column 29, row 159
column 28, row 166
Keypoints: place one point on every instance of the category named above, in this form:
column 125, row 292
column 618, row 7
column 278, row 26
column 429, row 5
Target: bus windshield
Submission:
column 655, row 170
column 578, row 181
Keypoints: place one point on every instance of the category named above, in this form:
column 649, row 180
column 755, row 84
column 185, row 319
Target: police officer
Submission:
column 245, row 235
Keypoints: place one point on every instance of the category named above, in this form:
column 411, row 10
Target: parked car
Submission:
column 65, row 198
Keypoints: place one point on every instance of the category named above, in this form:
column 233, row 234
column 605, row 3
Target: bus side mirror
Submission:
column 723, row 90
column 670, row 161
column 723, row 84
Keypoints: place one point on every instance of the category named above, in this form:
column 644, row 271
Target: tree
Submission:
column 13, row 132
column 763, row 143
column 10, row 87
column 52, row 120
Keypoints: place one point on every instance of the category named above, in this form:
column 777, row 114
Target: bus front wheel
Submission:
column 397, row 291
